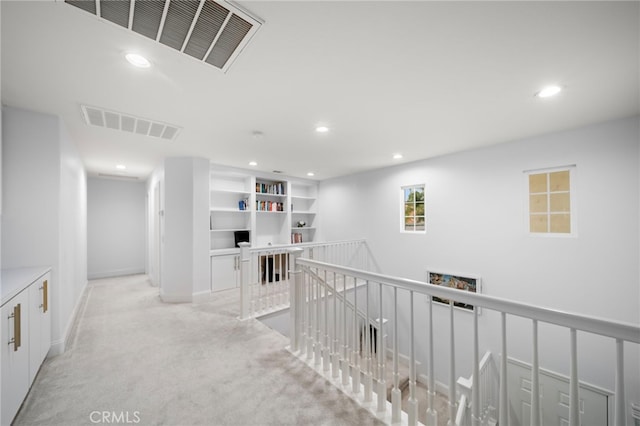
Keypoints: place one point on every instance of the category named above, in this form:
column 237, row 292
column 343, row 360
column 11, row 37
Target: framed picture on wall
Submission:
column 471, row 283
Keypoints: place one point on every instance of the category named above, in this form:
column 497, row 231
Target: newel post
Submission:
column 295, row 298
column 245, row 279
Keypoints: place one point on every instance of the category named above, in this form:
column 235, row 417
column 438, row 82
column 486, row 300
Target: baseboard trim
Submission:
column 116, row 273
column 440, row 387
column 202, row 296
column 175, row 297
column 59, row 346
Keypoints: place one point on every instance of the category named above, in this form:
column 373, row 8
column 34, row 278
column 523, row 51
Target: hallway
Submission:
column 138, row 360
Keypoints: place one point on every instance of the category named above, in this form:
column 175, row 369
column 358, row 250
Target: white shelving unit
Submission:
column 303, row 210
column 230, row 208
column 269, row 207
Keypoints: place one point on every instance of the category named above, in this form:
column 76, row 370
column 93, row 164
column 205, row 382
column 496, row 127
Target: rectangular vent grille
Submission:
column 211, row 31
column 101, row 117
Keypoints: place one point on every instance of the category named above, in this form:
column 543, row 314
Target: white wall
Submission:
column 185, row 252
column 155, row 227
column 475, row 225
column 116, row 227
column 44, row 217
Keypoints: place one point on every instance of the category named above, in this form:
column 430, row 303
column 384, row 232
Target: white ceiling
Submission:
column 420, row 78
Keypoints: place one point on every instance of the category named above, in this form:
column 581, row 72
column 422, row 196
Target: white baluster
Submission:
column 303, row 313
column 318, row 338
column 535, row 379
column 574, row 398
column 503, row 418
column 475, row 387
column 309, row 318
column 345, row 344
column 452, row 368
column 294, row 294
column 620, row 416
column 368, row 380
column 413, row 402
column 396, row 396
column 355, row 374
column 245, row 280
column 382, row 386
column 326, row 360
column 335, row 355
column 432, row 414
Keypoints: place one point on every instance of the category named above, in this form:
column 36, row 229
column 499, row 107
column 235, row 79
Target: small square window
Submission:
column 551, row 209
column 413, row 210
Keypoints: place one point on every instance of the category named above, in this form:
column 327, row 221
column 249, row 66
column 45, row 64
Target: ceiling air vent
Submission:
column 211, row 31
column 101, row 117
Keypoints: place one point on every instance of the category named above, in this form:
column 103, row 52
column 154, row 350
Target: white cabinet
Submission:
column 14, row 355
column 225, row 271
column 39, row 324
column 25, row 334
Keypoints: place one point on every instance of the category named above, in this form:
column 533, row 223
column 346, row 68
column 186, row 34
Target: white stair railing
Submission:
column 488, row 394
column 264, row 272
column 310, row 314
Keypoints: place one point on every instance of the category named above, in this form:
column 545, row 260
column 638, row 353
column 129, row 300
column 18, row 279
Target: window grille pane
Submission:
column 559, row 181
column 538, row 183
column 560, row 202
column 538, row 223
column 560, row 223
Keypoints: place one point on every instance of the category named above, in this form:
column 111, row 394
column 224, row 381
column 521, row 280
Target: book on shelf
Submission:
column 269, row 206
column 270, row 188
column 296, row 237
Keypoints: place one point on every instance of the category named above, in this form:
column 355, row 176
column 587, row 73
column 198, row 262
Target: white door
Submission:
column 554, row 398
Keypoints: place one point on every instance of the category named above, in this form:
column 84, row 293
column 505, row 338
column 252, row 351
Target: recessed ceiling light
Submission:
column 253, row 163
column 322, row 129
column 397, row 156
column 121, row 167
column 311, row 174
column 137, row 60
column 549, row 91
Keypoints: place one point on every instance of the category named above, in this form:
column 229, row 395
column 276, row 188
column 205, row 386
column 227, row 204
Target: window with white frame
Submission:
column 413, row 213
column 551, row 210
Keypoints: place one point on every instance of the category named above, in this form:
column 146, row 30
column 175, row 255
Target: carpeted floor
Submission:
column 137, row 360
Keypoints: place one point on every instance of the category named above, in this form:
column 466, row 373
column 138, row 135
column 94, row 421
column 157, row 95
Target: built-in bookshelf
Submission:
column 303, row 212
column 230, row 201
column 268, row 209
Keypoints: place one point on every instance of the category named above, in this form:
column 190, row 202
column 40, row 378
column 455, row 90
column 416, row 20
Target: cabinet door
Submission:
column 39, row 324
column 224, row 272
column 14, row 355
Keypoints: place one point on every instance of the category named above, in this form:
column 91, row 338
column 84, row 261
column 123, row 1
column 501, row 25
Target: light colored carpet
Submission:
column 179, row 364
